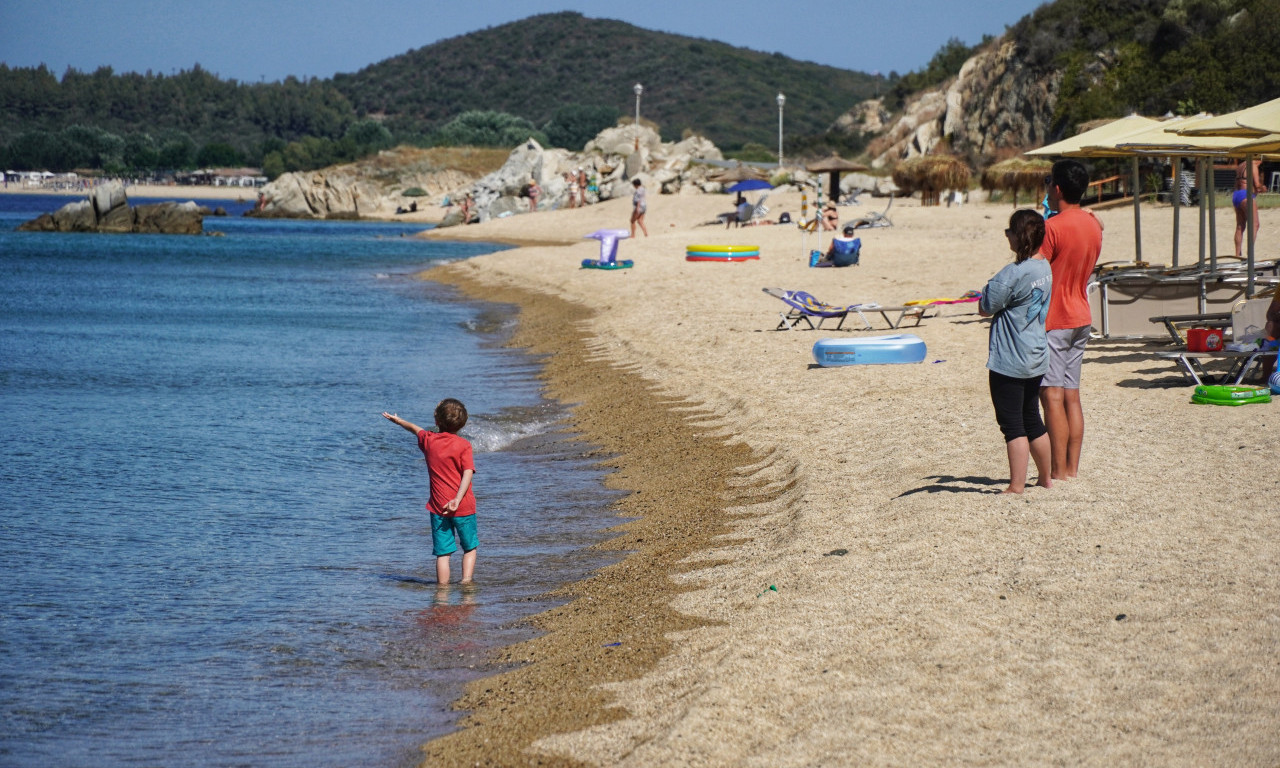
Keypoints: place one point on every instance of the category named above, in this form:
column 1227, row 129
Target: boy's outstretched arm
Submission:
column 409, row 425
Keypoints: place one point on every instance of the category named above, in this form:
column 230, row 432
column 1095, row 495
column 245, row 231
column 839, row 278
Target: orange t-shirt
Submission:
column 1072, row 244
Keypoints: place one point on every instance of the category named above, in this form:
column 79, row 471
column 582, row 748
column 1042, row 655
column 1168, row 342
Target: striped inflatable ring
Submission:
column 693, row 256
column 722, row 249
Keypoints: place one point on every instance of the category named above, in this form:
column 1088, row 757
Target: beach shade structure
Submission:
column 1103, row 134
column 1252, row 123
column 749, row 185
column 1016, row 174
column 608, row 249
column 738, row 172
column 931, row 174
column 834, row 165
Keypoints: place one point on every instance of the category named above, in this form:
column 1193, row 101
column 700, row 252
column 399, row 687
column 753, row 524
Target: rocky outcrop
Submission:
column 370, row 188
column 610, row 161
column 107, row 209
column 997, row 106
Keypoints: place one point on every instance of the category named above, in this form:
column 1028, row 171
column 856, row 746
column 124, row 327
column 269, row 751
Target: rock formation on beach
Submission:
column 995, row 107
column 611, row 159
column 107, row 209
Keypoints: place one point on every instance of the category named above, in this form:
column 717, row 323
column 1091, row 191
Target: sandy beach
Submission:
column 820, row 569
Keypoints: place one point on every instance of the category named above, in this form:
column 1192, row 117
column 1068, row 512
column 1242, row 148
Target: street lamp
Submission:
column 781, row 100
column 638, row 89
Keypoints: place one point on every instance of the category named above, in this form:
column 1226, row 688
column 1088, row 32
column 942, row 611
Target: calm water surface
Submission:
column 215, row 550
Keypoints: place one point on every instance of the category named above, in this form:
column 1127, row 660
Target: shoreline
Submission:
column 852, row 590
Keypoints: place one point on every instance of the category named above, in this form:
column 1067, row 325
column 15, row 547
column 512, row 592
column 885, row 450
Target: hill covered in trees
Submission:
column 531, row 67
column 561, row 77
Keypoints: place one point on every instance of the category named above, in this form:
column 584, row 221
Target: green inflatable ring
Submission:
column 1226, row 394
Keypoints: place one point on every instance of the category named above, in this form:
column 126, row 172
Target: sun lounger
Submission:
column 804, row 307
column 1175, row 324
column 1246, row 320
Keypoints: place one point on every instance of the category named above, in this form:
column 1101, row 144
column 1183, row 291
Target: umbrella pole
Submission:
column 1249, row 214
column 1176, row 192
column 1137, row 213
column 1213, row 218
column 1201, row 164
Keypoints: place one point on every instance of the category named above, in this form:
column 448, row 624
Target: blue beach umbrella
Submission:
column 749, row 185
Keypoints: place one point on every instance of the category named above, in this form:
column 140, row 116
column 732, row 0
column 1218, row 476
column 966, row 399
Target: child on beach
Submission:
column 452, row 502
column 1017, row 299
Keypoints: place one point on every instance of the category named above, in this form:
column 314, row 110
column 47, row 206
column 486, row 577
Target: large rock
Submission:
column 106, row 209
column 168, row 218
column 330, row 194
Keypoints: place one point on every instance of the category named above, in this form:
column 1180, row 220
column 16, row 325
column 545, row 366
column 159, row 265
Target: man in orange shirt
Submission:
column 1072, row 243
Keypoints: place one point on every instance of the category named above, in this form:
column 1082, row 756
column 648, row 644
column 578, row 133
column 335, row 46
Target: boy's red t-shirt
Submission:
column 448, row 456
column 1072, row 244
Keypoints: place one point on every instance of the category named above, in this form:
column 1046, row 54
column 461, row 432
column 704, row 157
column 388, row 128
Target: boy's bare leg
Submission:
column 1018, row 452
column 1044, row 463
column 442, row 569
column 468, row 566
column 1075, row 431
column 1055, row 420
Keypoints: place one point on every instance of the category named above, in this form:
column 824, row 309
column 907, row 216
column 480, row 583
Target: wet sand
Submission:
column 821, row 570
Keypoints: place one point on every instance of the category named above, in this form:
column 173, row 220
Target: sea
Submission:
column 215, row 550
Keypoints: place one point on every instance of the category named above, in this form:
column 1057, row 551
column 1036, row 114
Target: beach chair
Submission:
column 803, row 307
column 759, row 212
column 1248, row 320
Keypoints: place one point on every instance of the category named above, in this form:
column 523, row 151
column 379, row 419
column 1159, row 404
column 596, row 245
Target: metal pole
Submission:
column 1213, row 219
column 1201, row 165
column 1137, row 213
column 781, row 100
column 1249, row 214
column 1176, row 191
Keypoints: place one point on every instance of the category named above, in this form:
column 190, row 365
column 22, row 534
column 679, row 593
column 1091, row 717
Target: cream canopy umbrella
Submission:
column 1098, row 136
column 1251, row 123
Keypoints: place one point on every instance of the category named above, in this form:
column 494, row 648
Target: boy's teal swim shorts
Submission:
column 444, row 530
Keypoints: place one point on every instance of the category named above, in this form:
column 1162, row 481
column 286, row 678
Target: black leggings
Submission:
column 1017, row 403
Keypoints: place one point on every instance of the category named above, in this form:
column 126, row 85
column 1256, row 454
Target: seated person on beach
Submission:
column 830, row 217
column 844, row 251
column 736, row 216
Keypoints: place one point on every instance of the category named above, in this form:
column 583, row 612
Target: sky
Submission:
column 272, row 39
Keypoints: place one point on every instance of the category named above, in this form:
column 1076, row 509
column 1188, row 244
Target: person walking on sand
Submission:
column 1017, row 299
column 638, row 207
column 1240, row 200
column 452, row 502
column 1072, row 244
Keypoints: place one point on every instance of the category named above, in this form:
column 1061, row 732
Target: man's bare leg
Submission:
column 1055, row 420
column 1075, row 432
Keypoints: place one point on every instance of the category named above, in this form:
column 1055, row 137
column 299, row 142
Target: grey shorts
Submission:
column 1066, row 354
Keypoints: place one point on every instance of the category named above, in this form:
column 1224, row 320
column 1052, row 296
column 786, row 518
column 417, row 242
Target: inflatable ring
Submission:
column 722, row 249
column 1230, row 395
column 721, row 256
column 597, row 264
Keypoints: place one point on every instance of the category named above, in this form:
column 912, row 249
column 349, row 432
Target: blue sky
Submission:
column 271, row 39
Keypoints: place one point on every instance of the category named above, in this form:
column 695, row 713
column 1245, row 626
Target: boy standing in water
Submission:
column 452, row 503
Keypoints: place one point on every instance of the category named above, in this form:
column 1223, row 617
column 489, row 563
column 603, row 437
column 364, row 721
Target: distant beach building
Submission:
column 224, row 177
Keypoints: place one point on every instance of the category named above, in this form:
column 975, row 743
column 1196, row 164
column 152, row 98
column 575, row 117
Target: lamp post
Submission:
column 638, row 89
column 781, row 100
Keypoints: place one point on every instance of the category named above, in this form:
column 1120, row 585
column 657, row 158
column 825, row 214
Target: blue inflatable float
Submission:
column 608, row 249
column 871, row 350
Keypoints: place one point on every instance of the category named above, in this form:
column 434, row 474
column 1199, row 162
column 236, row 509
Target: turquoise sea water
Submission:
column 215, row 549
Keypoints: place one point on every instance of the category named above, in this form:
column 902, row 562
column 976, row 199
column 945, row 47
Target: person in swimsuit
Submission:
column 1240, row 200
column 638, row 207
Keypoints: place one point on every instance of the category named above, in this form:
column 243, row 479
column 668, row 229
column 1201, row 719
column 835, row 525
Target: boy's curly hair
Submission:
column 451, row 415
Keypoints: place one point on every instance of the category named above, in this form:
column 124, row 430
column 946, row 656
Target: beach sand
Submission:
column 821, row 571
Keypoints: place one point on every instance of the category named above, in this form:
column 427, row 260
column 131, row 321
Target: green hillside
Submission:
column 530, row 67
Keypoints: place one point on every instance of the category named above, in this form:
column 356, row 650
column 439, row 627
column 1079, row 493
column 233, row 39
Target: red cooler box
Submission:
column 1204, row 340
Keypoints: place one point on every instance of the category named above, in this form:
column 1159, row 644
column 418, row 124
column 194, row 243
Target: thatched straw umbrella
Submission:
column 739, row 172
column 931, row 174
column 834, row 165
column 1015, row 174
